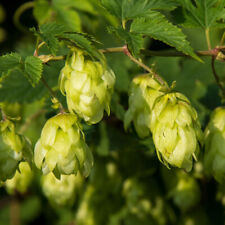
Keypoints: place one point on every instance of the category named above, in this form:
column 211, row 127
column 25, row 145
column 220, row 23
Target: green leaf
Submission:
column 9, row 62
column 16, row 88
column 133, row 40
column 70, row 18
column 33, row 69
column 84, row 42
column 52, row 28
column 48, row 33
column 159, row 28
column 129, row 9
column 114, row 7
column 41, row 11
column 82, row 5
column 204, row 13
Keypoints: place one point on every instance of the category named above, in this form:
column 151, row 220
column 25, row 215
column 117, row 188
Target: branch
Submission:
column 156, row 76
column 166, row 53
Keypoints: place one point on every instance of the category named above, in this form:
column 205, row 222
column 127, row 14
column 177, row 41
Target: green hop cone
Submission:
column 87, row 85
column 21, row 180
column 176, row 130
column 61, row 192
column 143, row 93
column 214, row 159
column 61, row 147
column 14, row 148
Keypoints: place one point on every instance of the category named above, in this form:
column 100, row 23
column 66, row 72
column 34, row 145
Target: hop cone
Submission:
column 176, row 130
column 61, row 192
column 214, row 159
column 61, row 147
column 14, row 148
column 87, row 85
column 21, row 180
column 143, row 93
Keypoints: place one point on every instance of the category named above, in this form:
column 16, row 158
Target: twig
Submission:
column 220, row 85
column 38, row 46
column 166, row 53
column 111, row 50
column 156, row 76
column 47, row 58
column 62, row 110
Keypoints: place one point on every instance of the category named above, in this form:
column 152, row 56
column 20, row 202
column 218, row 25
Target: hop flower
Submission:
column 61, row 192
column 14, row 148
column 21, row 180
column 144, row 91
column 214, row 159
column 61, row 147
column 87, row 85
column 176, row 130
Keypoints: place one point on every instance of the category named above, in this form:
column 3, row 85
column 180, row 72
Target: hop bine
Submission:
column 61, row 148
column 88, row 86
column 176, row 130
column 143, row 93
column 214, row 159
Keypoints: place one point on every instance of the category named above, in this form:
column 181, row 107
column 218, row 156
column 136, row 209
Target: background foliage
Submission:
column 128, row 185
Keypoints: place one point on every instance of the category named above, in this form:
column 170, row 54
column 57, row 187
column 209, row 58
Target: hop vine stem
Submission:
column 62, row 110
column 156, row 76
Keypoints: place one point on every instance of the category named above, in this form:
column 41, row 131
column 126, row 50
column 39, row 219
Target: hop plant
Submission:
column 143, row 93
column 214, row 159
column 14, row 149
column 21, row 180
column 61, row 147
column 176, row 130
column 63, row 191
column 87, row 85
